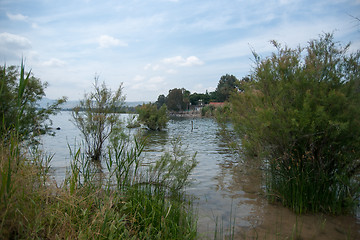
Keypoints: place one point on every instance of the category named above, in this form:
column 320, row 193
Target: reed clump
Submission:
column 116, row 202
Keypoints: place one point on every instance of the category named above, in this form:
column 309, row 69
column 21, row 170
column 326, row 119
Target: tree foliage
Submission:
column 152, row 117
column 177, row 99
column 227, row 84
column 300, row 111
column 20, row 93
column 161, row 101
column 96, row 118
column 180, row 99
column 199, row 98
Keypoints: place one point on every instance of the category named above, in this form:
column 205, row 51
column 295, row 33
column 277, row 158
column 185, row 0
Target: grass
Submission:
column 112, row 199
column 225, row 233
column 304, row 187
column 91, row 204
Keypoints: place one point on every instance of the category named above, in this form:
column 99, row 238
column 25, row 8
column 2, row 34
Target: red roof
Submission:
column 217, row 104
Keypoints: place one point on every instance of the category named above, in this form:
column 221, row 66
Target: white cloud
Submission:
column 292, row 34
column 54, row 62
column 147, row 66
column 13, row 47
column 140, row 83
column 156, row 80
column 153, row 67
column 138, row 78
column 171, row 71
column 174, row 60
column 106, row 41
column 191, row 61
column 14, row 41
column 34, row 25
column 156, row 67
column 180, row 61
column 16, row 17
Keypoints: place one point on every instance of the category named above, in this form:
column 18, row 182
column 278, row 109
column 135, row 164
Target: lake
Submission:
column 228, row 191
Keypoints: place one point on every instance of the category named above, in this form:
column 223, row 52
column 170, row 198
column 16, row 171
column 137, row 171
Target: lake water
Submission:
column 227, row 190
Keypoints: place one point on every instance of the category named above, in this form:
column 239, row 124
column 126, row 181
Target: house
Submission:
column 217, row 104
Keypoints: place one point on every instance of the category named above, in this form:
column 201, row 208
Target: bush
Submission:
column 300, row 113
column 20, row 93
column 96, row 117
column 152, row 117
column 207, row 111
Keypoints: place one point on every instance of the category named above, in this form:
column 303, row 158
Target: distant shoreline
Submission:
column 185, row 114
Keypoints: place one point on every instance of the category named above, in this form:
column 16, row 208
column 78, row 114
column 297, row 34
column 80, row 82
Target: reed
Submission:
column 304, row 186
column 115, row 202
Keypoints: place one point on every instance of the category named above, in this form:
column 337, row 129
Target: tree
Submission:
column 186, row 99
column 96, row 118
column 152, row 117
column 301, row 114
column 20, row 94
column 161, row 101
column 242, row 82
column 227, row 84
column 197, row 98
column 177, row 99
column 174, row 99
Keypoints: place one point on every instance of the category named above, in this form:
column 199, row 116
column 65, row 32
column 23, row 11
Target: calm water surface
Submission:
column 228, row 192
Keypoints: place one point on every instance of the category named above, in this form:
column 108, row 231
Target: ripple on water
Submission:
column 226, row 188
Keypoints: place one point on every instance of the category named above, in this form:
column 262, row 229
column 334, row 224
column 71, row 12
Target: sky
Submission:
column 152, row 46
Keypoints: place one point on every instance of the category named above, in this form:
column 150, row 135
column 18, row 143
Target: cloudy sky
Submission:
column 156, row 45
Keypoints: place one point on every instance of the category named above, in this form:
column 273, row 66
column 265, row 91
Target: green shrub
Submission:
column 20, row 93
column 208, row 111
column 96, row 119
column 300, row 112
column 152, row 117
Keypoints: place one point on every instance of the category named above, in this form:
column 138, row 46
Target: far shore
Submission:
column 185, row 114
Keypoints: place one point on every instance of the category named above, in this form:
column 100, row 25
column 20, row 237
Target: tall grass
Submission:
column 120, row 200
column 116, row 202
column 305, row 186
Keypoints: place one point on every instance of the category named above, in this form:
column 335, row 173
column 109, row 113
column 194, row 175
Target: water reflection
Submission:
column 255, row 218
column 155, row 140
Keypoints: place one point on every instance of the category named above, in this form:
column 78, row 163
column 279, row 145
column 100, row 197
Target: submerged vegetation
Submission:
column 95, row 117
column 119, row 201
column 152, row 117
column 121, row 197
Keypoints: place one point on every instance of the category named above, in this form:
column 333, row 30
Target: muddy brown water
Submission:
column 228, row 191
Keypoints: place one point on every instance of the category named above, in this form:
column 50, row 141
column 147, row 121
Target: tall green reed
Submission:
column 152, row 207
column 23, row 82
column 12, row 140
column 92, row 202
column 303, row 185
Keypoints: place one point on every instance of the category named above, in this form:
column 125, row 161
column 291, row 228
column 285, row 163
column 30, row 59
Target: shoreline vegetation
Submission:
column 297, row 114
column 126, row 201
column 115, row 196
